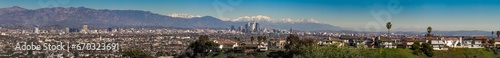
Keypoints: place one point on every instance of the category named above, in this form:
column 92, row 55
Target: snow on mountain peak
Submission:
column 251, row 18
column 257, row 18
column 177, row 15
column 262, row 18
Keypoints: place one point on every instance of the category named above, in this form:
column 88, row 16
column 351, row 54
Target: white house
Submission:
column 451, row 42
column 387, row 42
column 437, row 43
column 475, row 42
column 226, row 44
column 497, row 43
column 331, row 41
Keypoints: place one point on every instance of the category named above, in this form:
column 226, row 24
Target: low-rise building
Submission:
column 496, row 43
column 451, row 42
column 277, row 43
column 388, row 42
column 331, row 41
column 436, row 42
column 351, row 40
column 409, row 41
column 226, row 44
column 474, row 42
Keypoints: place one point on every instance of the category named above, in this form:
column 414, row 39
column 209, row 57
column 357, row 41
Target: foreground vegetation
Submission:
column 306, row 48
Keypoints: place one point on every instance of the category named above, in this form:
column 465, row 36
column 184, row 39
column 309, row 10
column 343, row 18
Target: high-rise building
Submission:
column 232, row 28
column 244, row 30
column 240, row 28
column 36, row 31
column 257, row 27
column 251, row 27
column 84, row 28
column 247, row 26
column 66, row 30
column 74, row 30
column 110, row 29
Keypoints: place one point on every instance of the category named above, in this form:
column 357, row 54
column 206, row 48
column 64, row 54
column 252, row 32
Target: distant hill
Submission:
column 18, row 17
column 462, row 33
column 450, row 33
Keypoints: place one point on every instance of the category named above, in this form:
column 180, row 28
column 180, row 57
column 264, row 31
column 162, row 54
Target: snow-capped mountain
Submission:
column 178, row 15
column 262, row 18
column 286, row 23
column 74, row 17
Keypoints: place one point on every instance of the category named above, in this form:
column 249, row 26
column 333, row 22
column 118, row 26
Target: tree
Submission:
column 259, row 39
column 161, row 53
column 416, row 48
column 293, row 44
column 202, row 46
column 427, row 49
column 388, row 25
column 264, row 38
column 492, row 33
column 136, row 53
column 252, row 39
column 498, row 34
column 203, row 38
column 429, row 30
column 237, row 39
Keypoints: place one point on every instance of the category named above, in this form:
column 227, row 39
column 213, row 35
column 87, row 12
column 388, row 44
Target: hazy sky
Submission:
column 361, row 15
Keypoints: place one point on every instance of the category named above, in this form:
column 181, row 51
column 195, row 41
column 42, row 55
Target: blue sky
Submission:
column 413, row 15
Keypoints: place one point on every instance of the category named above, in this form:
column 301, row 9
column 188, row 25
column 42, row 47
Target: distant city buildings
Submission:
column 250, row 27
column 240, row 28
column 110, row 29
column 37, row 30
column 257, row 27
column 74, row 30
column 233, row 28
column 84, row 28
column 67, row 30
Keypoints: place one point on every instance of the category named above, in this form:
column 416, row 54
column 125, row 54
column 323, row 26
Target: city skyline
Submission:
column 409, row 15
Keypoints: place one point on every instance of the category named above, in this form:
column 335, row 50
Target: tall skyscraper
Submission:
column 232, row 28
column 84, row 28
column 257, row 27
column 36, row 31
column 247, row 26
column 251, row 27
column 66, row 30
column 110, row 29
column 240, row 28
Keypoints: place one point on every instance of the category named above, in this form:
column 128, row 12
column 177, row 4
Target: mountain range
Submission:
column 74, row 17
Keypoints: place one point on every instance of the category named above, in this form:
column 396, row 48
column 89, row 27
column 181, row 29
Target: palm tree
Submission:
column 498, row 34
column 388, row 25
column 429, row 30
column 492, row 34
column 237, row 39
column 252, row 39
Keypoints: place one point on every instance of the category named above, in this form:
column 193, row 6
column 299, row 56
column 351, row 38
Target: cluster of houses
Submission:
column 437, row 42
column 226, row 44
